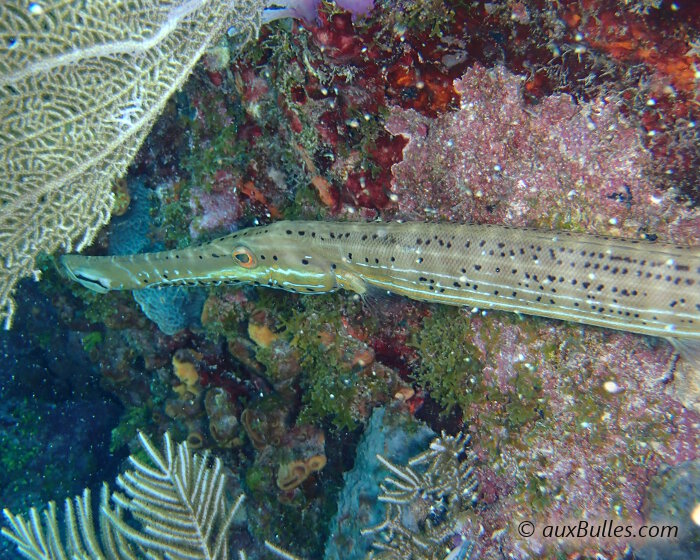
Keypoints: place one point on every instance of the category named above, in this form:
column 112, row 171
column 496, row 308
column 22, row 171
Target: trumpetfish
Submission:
column 639, row 286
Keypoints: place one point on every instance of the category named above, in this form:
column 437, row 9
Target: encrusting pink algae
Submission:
column 554, row 165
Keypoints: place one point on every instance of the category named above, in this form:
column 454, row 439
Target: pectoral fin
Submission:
column 689, row 350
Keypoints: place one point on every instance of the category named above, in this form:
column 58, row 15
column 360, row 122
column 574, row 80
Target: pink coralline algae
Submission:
column 558, row 164
column 610, row 421
column 217, row 209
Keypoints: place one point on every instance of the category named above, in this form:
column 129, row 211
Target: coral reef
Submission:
column 577, row 116
column 289, row 492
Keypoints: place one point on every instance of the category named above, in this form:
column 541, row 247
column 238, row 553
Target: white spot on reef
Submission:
column 612, row 387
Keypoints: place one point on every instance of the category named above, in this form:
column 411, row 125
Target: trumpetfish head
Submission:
column 274, row 256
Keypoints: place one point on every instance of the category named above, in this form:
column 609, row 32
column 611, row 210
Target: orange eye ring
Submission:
column 244, row 257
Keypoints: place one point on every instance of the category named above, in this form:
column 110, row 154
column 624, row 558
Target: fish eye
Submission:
column 244, row 257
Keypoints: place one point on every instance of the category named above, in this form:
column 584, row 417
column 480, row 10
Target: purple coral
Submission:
column 298, row 9
column 307, row 10
column 356, row 7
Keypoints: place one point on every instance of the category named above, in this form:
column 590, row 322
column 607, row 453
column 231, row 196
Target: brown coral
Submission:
column 223, row 417
column 290, row 475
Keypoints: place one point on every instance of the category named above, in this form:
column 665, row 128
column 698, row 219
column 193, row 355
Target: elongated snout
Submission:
column 88, row 271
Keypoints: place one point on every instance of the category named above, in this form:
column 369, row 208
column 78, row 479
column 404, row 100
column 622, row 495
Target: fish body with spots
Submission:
column 632, row 285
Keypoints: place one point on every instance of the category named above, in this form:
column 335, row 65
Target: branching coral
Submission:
column 423, row 504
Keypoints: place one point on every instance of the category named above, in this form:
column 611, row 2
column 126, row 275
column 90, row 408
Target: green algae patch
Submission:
column 526, row 404
column 334, row 388
column 131, row 422
column 450, row 367
column 340, row 381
